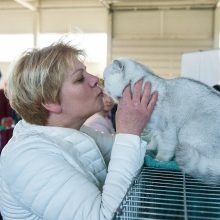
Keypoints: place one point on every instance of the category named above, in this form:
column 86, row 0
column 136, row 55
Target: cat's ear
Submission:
column 118, row 64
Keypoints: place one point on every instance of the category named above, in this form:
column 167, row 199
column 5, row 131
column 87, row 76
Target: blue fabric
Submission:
column 149, row 161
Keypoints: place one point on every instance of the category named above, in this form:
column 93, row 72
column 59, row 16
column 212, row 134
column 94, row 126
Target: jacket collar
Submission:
column 23, row 127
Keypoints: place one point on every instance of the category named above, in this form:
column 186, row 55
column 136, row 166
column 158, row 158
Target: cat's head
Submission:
column 119, row 74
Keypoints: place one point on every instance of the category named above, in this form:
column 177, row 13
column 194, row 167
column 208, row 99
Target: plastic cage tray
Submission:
column 166, row 194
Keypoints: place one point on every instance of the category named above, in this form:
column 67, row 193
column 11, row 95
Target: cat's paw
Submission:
column 162, row 158
column 159, row 159
column 152, row 145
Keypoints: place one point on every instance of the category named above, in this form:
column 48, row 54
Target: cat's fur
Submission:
column 185, row 123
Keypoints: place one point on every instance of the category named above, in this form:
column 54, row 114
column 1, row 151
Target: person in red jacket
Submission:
column 7, row 118
column 5, row 108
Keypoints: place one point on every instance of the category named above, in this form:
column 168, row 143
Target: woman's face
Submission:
column 80, row 95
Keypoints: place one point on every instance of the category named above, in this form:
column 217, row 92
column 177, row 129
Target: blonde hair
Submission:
column 37, row 78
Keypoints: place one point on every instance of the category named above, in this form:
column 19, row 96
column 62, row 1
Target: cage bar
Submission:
column 172, row 195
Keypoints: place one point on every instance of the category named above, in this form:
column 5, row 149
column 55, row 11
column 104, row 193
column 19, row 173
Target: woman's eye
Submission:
column 81, row 79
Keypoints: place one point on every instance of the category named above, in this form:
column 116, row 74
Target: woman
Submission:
column 51, row 169
column 101, row 121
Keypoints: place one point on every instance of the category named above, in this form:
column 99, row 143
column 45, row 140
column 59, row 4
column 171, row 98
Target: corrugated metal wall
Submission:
column 53, row 20
column 159, row 38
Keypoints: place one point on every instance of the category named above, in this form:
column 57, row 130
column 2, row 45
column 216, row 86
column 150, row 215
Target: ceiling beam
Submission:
column 160, row 4
column 26, row 5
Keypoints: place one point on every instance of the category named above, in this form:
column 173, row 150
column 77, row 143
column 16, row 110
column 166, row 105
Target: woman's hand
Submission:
column 134, row 112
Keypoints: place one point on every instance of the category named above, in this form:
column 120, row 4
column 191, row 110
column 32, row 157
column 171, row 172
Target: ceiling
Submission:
column 110, row 4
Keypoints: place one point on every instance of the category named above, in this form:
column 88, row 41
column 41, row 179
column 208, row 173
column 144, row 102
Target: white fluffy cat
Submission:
column 185, row 122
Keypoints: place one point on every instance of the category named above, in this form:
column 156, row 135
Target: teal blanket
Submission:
column 149, row 161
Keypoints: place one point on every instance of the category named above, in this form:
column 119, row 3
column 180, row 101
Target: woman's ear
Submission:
column 53, row 107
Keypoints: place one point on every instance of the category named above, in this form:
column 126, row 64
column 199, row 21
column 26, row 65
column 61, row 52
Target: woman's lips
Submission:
column 100, row 93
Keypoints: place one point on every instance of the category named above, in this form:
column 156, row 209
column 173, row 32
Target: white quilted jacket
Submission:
column 61, row 174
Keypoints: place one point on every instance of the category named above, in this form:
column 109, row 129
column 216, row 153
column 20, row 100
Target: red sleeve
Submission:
column 5, row 108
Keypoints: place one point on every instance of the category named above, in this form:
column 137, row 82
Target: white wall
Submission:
column 159, row 38
column 16, row 21
column 203, row 66
column 70, row 20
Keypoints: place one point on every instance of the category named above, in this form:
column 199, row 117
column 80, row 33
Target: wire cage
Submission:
column 172, row 195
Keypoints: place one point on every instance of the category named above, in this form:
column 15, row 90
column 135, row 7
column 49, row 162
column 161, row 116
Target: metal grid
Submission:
column 164, row 194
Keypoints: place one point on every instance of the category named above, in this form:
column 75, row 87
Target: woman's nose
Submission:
column 93, row 80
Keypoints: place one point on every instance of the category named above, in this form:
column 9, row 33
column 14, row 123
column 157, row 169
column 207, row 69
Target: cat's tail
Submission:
column 197, row 165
